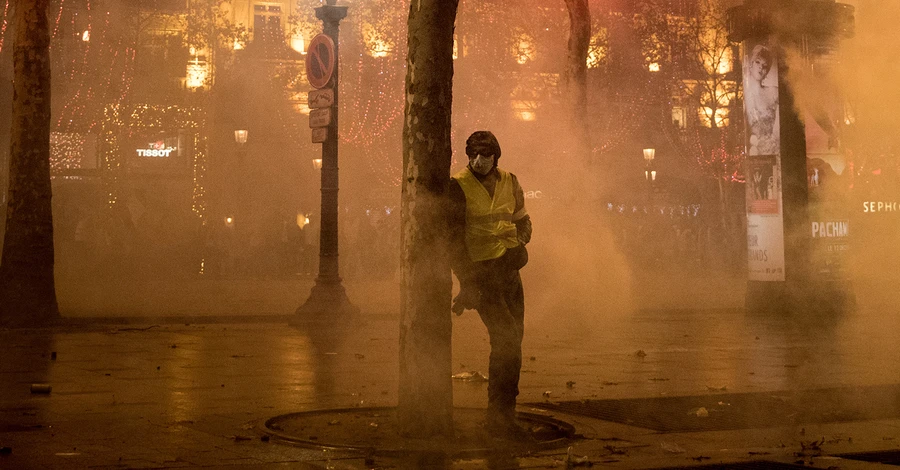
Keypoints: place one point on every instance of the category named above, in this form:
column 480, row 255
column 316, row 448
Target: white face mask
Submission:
column 482, row 164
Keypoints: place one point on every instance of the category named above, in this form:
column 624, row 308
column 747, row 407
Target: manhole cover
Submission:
column 374, row 431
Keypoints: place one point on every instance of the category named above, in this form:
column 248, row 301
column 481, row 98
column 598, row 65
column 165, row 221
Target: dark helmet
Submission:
column 484, row 143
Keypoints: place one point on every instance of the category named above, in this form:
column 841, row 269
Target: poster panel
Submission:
column 765, row 224
column 827, row 173
column 761, row 99
column 765, row 220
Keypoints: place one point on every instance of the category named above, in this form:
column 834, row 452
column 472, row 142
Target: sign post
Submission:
column 327, row 296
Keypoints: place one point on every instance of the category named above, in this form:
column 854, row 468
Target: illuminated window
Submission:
column 525, row 49
column 377, row 43
column 455, row 47
column 524, row 110
column 298, row 42
column 197, row 71
column 706, row 116
column 653, row 66
column 267, row 23
column 679, row 117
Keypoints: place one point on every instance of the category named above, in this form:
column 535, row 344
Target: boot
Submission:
column 503, row 425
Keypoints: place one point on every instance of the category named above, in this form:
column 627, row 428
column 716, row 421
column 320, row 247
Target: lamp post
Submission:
column 649, row 173
column 328, row 296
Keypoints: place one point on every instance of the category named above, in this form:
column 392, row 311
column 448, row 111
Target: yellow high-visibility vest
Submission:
column 490, row 230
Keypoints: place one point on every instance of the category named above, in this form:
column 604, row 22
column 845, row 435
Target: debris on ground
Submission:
column 240, row 438
column 658, row 379
column 471, row 376
column 570, row 384
column 264, row 438
column 701, row 412
column 717, row 389
column 700, row 458
column 609, row 383
column 573, row 460
column 640, row 353
column 672, row 448
column 809, row 448
column 613, row 450
column 41, row 388
column 334, row 422
column 547, row 395
column 532, row 358
column 359, row 356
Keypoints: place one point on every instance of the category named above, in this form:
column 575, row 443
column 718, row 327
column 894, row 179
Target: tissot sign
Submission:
column 157, row 150
column 163, row 148
column 159, row 153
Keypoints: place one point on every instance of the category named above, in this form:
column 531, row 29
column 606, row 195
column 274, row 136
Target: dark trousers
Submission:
column 502, row 309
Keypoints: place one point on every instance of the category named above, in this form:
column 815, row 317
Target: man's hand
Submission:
column 468, row 298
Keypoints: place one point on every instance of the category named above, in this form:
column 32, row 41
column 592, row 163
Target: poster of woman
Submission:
column 761, row 99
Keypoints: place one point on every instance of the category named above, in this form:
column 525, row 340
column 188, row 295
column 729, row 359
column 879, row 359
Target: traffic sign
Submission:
column 320, row 117
column 320, row 61
column 323, row 98
column 319, row 135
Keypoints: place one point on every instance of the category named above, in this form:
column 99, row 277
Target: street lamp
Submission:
column 327, row 298
column 649, row 173
column 240, row 136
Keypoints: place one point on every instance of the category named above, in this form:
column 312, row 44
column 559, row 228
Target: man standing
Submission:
column 489, row 229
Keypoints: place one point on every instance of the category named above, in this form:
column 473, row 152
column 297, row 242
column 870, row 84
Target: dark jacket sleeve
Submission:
column 460, row 262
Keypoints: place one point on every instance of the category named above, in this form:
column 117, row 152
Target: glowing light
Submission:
column 197, row 72
column 302, row 220
column 240, row 136
column 525, row 110
column 653, row 66
column 229, row 221
column 598, row 48
column 455, row 47
column 86, row 35
column 706, row 116
column 649, row 155
column 525, row 49
column 238, row 45
column 298, row 43
column 317, row 163
column 377, row 43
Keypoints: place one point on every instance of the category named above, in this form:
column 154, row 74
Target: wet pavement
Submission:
column 180, row 390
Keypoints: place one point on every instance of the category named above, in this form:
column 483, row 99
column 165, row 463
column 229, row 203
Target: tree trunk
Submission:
column 27, row 290
column 425, row 402
column 575, row 79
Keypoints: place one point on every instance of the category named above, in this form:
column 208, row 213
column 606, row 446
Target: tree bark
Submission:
column 425, row 401
column 576, row 74
column 27, row 289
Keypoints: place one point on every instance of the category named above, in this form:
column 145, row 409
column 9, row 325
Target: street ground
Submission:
column 159, row 386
